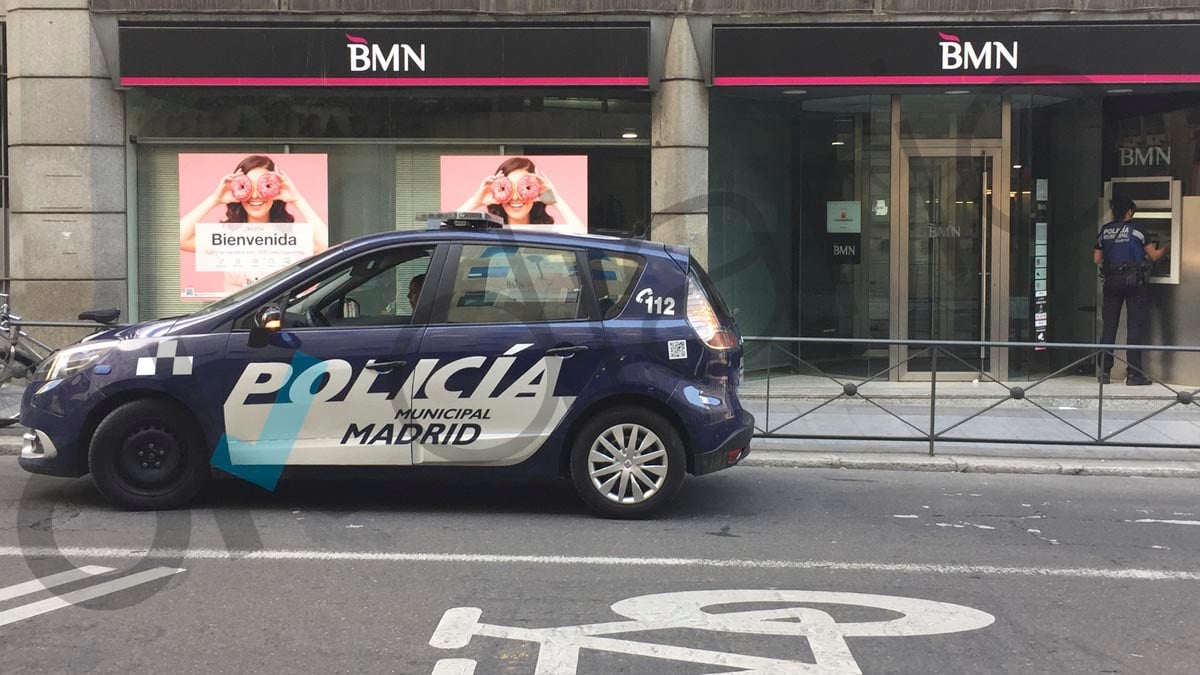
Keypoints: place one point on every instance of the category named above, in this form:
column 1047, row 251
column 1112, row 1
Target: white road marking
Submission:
column 74, row 597
column 606, row 561
column 62, row 578
column 559, row 648
column 1166, row 522
column 454, row 667
column 905, row 515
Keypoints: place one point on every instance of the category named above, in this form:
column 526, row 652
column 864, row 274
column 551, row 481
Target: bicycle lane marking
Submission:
column 560, row 648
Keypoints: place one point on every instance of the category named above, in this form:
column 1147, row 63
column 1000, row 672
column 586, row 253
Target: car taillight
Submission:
column 704, row 320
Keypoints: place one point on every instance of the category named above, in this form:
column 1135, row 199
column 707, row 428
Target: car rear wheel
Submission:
column 627, row 462
column 148, row 454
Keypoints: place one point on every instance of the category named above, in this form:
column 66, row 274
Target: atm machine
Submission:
column 1159, row 202
column 1160, row 211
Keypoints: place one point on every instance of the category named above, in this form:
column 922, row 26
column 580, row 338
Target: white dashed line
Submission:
column 1165, row 522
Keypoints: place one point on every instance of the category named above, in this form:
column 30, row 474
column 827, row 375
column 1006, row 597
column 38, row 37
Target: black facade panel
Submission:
column 347, row 53
column 1058, row 52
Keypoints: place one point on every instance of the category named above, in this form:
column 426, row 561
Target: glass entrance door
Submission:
column 947, row 286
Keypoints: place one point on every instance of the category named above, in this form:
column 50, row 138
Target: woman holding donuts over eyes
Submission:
column 255, row 193
column 519, row 194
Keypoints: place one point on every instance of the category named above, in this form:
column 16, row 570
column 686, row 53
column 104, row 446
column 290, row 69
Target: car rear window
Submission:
column 614, row 276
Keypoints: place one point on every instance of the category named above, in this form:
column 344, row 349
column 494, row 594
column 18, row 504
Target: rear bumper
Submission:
column 732, row 450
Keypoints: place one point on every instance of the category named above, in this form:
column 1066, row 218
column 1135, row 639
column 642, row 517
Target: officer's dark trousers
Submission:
column 1137, row 305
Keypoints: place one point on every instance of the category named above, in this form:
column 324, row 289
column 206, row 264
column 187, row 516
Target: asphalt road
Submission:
column 805, row 571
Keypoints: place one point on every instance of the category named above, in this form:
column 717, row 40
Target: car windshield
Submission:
column 234, row 298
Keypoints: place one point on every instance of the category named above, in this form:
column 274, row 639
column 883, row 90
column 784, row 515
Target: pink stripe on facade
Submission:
column 383, row 81
column 856, row 80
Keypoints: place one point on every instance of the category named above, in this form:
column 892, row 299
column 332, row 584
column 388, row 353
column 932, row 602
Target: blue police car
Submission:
column 611, row 361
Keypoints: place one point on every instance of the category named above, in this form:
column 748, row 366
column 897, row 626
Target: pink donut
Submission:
column 241, row 187
column 502, row 189
column 529, row 187
column 269, row 185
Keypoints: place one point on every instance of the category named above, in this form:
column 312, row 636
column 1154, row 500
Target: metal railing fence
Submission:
column 938, row 353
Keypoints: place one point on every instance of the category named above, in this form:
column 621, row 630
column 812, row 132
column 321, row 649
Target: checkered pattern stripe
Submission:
column 166, row 358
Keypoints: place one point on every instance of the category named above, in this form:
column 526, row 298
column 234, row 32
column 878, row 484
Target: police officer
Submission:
column 1125, row 257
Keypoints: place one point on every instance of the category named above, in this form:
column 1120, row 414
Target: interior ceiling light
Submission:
column 795, row 92
column 629, row 134
column 1120, row 91
column 957, row 92
column 838, row 143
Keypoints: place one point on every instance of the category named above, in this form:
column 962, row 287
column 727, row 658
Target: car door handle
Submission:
column 383, row 366
column 567, row 351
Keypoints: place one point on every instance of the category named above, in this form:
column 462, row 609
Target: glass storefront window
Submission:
column 384, row 158
column 799, row 225
column 950, row 115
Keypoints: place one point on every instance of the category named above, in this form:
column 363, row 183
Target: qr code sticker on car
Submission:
column 676, row 349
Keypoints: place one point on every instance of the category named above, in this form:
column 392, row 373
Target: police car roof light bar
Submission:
column 476, row 220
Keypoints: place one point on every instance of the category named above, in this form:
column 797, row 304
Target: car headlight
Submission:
column 72, row 360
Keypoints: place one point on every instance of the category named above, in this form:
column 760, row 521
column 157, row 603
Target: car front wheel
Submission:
column 627, row 462
column 148, row 454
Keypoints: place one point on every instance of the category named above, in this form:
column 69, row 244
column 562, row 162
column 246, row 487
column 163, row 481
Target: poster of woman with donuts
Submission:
column 243, row 216
column 534, row 192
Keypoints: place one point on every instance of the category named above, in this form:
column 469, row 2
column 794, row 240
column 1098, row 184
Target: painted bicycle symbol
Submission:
column 559, row 648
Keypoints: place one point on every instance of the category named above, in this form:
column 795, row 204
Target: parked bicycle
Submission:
column 20, row 352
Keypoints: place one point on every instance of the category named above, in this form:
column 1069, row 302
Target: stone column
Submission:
column 67, row 228
column 679, row 148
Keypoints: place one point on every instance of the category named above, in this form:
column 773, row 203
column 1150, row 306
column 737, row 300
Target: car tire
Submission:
column 172, row 466
column 637, row 467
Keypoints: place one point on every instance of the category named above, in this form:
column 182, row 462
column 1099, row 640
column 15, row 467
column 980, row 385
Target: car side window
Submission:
column 613, row 277
column 380, row 289
column 515, row 284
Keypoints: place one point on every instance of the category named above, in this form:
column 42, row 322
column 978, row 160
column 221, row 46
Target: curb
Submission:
column 10, row 445
column 966, row 464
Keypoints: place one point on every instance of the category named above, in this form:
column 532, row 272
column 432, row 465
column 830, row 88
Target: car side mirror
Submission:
column 267, row 320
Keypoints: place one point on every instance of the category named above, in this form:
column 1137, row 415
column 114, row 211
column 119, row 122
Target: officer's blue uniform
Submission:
column 1123, row 245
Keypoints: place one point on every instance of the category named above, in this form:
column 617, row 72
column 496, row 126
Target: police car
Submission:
column 611, row 361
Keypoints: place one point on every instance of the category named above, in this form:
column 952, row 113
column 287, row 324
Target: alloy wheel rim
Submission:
column 627, row 464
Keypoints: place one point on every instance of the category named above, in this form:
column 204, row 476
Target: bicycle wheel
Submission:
column 6, row 360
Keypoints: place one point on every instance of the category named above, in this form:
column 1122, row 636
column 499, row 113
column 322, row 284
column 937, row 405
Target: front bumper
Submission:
column 40, row 454
column 51, row 442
